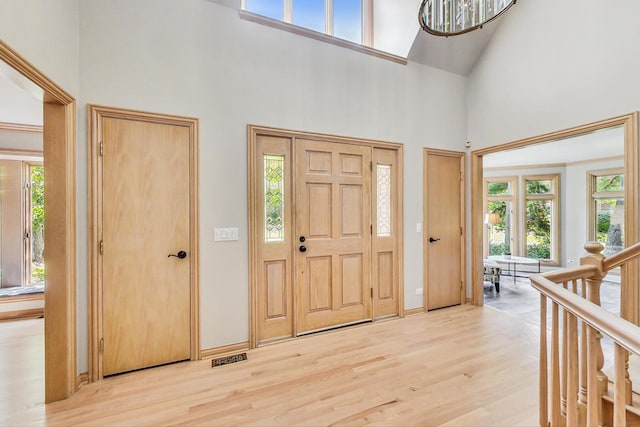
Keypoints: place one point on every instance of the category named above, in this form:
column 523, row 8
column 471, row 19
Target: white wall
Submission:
column 200, row 59
column 553, row 65
column 20, row 140
column 44, row 32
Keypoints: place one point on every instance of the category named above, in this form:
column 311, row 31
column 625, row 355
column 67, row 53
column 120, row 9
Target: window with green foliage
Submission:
column 499, row 218
column 37, row 224
column 606, row 213
column 541, row 217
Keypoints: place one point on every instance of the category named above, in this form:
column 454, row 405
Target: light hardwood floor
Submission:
column 459, row 366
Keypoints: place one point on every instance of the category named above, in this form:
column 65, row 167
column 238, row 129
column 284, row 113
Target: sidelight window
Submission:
column 274, row 198
column 383, row 177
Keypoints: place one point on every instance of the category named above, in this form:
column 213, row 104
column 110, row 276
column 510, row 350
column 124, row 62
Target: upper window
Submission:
column 344, row 19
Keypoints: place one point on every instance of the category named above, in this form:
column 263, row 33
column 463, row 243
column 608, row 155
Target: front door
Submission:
column 333, row 234
column 145, row 226
column 443, row 228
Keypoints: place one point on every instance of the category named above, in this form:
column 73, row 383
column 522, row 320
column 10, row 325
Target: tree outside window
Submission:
column 541, row 201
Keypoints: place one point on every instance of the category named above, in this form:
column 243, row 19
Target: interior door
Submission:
column 443, row 228
column 145, row 220
column 333, row 234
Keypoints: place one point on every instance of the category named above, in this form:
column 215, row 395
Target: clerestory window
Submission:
column 349, row 20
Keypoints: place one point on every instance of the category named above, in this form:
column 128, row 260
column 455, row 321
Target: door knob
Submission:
column 302, row 239
column 431, row 239
column 181, row 255
column 303, row 248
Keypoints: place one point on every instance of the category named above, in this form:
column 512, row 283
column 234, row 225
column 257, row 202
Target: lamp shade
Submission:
column 492, row 218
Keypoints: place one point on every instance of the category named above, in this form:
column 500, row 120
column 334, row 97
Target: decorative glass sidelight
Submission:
column 383, row 177
column 273, row 198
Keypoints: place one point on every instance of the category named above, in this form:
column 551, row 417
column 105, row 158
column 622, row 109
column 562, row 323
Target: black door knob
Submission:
column 181, row 255
column 303, row 248
column 302, row 239
column 431, row 239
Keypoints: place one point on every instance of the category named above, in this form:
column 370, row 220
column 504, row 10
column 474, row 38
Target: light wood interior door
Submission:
column 333, row 217
column 145, row 218
column 443, row 228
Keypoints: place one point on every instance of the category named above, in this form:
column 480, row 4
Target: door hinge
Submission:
column 461, row 231
column 461, row 287
column 101, row 247
column 371, row 166
column 101, row 345
column 101, row 149
column 371, row 292
column 371, row 230
column 27, row 235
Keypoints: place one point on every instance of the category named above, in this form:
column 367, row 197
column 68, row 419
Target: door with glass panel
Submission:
column 325, row 233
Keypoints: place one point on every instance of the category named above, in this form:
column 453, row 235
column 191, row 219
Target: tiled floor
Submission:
column 522, row 299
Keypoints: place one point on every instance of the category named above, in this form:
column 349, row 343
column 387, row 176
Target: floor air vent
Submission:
column 228, row 359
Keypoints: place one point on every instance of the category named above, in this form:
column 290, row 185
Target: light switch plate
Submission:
column 225, row 234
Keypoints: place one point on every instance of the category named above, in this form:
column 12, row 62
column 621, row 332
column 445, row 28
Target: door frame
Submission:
column 630, row 273
column 59, row 150
column 95, row 114
column 253, row 206
column 463, row 236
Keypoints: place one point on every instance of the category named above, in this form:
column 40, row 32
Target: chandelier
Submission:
column 453, row 17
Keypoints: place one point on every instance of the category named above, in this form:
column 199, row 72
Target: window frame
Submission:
column 593, row 195
column 366, row 19
column 365, row 47
column 513, row 198
column 555, row 198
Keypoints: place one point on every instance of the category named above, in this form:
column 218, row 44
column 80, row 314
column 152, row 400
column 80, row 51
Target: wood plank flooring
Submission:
column 462, row 366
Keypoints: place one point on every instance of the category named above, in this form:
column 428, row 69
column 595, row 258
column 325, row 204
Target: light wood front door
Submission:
column 333, row 234
column 145, row 218
column 443, row 237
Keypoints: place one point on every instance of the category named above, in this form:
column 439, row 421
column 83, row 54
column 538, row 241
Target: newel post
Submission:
column 596, row 380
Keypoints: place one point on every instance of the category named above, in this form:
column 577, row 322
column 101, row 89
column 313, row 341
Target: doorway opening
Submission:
column 58, row 130
column 531, row 228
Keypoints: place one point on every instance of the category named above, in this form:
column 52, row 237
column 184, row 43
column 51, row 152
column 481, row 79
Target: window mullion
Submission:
column 288, row 11
column 367, row 22
column 328, row 17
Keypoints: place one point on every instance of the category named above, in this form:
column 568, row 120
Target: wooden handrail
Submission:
column 580, row 272
column 616, row 260
column 621, row 331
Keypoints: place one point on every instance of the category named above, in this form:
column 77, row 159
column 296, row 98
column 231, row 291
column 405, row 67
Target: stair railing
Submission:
column 572, row 383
